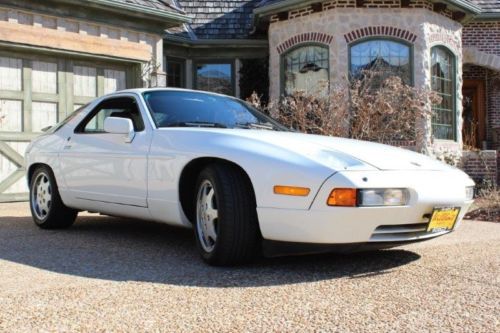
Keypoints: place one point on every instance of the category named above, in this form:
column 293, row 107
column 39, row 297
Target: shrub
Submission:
column 364, row 109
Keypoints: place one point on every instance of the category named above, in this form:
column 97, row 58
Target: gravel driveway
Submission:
column 110, row 274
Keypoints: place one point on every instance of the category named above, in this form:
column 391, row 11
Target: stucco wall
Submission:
column 429, row 29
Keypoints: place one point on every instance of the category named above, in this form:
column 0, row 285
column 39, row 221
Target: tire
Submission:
column 47, row 209
column 225, row 208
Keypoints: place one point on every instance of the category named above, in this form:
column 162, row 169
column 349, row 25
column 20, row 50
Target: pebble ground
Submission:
column 115, row 275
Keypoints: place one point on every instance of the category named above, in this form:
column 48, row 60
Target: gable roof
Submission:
column 217, row 19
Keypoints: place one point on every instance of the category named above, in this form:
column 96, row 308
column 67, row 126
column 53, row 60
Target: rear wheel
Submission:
column 47, row 208
column 226, row 225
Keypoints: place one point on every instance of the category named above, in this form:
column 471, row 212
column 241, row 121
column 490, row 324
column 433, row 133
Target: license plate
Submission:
column 443, row 219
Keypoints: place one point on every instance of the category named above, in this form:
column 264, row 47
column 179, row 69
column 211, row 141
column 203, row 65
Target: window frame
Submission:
column 383, row 38
column 80, row 128
column 211, row 61
column 454, row 91
column 293, row 48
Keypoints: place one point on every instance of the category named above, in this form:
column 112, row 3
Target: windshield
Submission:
column 198, row 109
column 72, row 115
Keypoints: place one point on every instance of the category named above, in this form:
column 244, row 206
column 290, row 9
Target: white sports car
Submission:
column 246, row 184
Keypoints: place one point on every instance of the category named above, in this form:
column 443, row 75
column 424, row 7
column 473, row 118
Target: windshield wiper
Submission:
column 196, row 124
column 265, row 126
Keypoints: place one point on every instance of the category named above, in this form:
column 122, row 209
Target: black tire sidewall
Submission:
column 59, row 216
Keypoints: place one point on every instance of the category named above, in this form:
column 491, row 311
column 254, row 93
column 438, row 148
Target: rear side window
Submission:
column 122, row 107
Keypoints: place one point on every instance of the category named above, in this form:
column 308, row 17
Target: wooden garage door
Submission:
column 36, row 92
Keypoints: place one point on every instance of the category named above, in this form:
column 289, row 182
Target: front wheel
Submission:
column 226, row 225
column 47, row 208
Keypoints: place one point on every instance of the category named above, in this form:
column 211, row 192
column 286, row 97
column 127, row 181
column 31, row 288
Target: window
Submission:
column 175, row 73
column 215, row 77
column 306, row 69
column 123, row 107
column 387, row 57
column 443, row 83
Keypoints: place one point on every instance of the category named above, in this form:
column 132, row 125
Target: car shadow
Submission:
column 120, row 249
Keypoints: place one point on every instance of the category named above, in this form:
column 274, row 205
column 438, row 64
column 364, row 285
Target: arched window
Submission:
column 306, row 68
column 443, row 75
column 387, row 57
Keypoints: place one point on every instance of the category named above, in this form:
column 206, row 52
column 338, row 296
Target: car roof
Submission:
column 143, row 90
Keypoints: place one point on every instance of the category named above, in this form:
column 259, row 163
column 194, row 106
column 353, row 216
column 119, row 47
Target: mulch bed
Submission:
column 484, row 214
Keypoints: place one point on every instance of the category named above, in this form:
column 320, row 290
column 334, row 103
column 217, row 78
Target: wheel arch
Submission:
column 188, row 177
column 32, row 168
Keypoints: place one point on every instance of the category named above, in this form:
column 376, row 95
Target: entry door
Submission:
column 99, row 166
column 474, row 128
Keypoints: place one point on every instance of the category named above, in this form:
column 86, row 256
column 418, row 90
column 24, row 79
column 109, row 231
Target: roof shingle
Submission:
column 216, row 19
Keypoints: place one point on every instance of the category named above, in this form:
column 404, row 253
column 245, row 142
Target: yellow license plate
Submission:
column 443, row 219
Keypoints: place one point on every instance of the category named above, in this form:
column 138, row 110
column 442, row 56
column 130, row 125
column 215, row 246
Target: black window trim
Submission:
column 79, row 129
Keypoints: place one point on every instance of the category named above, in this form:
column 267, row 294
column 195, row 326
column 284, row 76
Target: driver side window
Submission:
column 122, row 107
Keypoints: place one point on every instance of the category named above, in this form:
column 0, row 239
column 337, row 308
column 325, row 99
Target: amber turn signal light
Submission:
column 344, row 197
column 292, row 190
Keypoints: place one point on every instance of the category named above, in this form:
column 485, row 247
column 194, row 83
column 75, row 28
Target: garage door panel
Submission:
column 11, row 73
column 11, row 116
column 44, row 77
column 114, row 80
column 7, row 168
column 84, row 81
column 43, row 115
column 36, row 92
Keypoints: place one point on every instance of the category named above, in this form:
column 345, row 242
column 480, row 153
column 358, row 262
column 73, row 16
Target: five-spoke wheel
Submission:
column 226, row 224
column 41, row 196
column 47, row 208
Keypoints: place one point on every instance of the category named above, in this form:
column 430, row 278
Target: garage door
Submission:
column 36, row 92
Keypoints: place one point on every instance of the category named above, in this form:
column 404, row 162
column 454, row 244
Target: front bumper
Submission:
column 322, row 224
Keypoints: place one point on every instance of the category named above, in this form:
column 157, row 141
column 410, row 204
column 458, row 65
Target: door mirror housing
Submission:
column 116, row 125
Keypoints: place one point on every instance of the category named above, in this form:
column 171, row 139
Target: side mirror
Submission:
column 116, row 125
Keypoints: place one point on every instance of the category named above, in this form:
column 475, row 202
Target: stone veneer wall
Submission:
column 429, row 29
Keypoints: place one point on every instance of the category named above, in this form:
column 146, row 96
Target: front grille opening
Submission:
column 402, row 232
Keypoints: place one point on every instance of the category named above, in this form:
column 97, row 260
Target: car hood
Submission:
column 333, row 152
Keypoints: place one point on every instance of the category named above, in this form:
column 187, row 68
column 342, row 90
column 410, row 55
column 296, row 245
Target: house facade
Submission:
column 57, row 55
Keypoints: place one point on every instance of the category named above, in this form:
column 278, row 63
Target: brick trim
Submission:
column 380, row 31
column 308, row 37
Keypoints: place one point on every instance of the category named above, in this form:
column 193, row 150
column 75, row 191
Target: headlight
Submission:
column 349, row 197
column 469, row 193
column 383, row 197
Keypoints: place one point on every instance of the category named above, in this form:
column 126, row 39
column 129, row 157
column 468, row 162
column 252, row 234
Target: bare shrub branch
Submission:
column 366, row 109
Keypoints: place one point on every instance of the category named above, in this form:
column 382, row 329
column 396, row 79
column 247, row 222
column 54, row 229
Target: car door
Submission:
column 103, row 167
